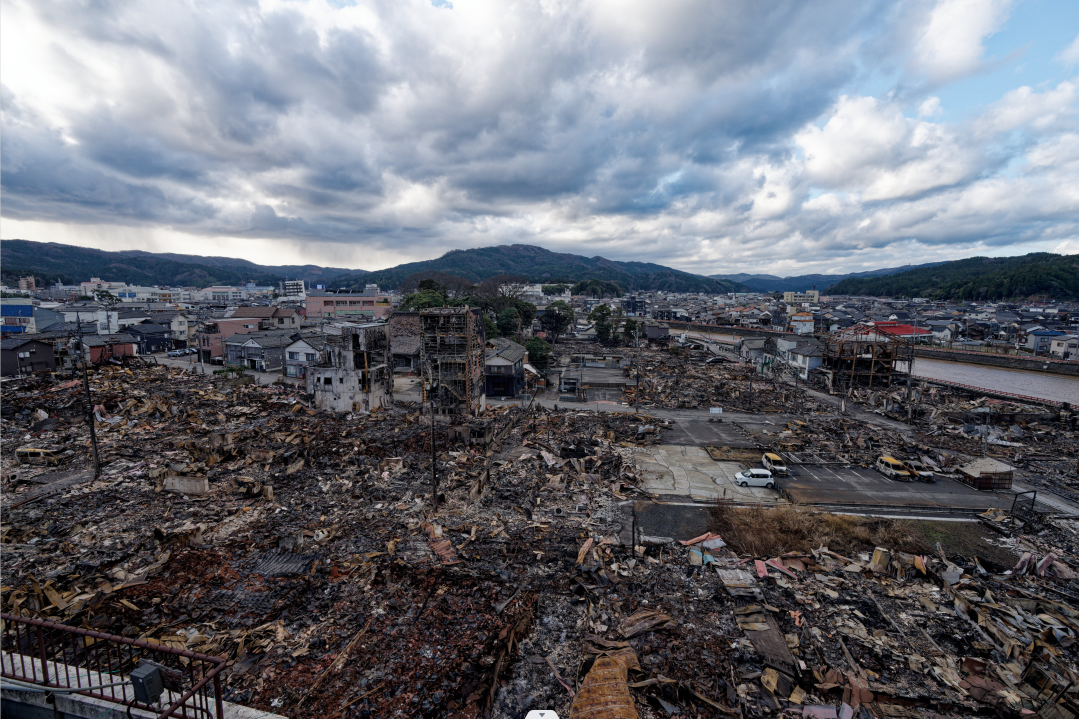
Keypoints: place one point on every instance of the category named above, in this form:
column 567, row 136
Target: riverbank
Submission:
column 1030, row 364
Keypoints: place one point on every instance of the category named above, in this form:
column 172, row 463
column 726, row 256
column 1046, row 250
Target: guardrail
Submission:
column 44, row 656
column 948, row 383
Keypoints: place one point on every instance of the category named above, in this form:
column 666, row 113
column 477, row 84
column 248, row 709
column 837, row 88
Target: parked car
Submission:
column 892, row 468
column 755, row 478
column 190, row 351
column 174, row 353
column 774, row 464
column 919, row 470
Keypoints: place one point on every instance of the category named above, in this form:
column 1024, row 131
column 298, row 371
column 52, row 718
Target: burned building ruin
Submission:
column 866, row 356
column 452, row 357
column 355, row 372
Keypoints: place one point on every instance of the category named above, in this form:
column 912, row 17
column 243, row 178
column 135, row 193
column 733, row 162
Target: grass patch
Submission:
column 760, row 531
column 964, row 539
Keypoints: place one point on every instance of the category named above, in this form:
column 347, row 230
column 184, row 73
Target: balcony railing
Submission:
column 44, row 656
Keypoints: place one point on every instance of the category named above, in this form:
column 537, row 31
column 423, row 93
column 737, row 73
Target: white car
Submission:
column 755, row 478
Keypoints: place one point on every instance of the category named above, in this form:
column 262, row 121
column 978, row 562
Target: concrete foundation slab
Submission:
column 680, row 471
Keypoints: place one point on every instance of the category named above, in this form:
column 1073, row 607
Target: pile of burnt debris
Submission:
column 345, row 567
column 685, row 380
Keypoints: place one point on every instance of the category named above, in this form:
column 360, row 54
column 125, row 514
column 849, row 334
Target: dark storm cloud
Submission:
column 710, row 125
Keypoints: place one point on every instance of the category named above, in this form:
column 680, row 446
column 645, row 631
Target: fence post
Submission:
column 44, row 654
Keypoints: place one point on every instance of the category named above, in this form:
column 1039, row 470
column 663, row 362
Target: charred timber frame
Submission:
column 452, row 345
column 865, row 357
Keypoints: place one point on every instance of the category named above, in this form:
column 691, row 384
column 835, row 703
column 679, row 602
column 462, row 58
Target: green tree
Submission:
column 490, row 329
column 509, row 322
column 554, row 289
column 106, row 298
column 630, row 329
column 601, row 319
column 557, row 318
column 539, row 353
column 422, row 300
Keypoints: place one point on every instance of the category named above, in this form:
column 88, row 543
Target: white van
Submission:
column 774, row 464
column 755, row 478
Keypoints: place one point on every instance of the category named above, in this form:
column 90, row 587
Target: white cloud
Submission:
column 696, row 134
column 1070, row 54
column 951, row 43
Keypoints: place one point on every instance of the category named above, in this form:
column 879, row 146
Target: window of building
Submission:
column 328, row 303
column 294, row 355
column 280, row 320
column 327, row 380
column 309, row 356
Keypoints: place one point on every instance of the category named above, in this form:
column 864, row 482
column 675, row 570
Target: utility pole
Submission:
column 434, row 466
column 202, row 333
column 89, row 401
column 637, row 394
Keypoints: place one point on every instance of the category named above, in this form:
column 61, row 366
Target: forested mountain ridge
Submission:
column 1033, row 276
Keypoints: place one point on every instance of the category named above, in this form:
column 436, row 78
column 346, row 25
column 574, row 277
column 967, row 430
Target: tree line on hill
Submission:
column 1040, row 275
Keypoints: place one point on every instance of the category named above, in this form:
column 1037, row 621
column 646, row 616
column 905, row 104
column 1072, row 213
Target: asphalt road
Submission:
column 843, row 485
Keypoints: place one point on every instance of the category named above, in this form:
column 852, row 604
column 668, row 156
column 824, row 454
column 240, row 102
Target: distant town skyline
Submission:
column 828, row 137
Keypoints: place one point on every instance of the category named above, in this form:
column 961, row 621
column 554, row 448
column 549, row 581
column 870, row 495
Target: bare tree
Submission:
column 511, row 286
column 451, row 287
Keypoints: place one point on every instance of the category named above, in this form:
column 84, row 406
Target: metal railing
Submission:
column 46, row 656
column 1010, row 395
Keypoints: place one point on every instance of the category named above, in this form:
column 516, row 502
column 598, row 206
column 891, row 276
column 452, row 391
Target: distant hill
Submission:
column 772, row 283
column 540, row 265
column 52, row 261
column 1037, row 275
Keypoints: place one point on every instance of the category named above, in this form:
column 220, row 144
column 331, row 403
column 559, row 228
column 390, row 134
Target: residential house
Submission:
column 180, row 325
column 305, row 352
column 150, row 337
column 108, row 320
column 660, row 332
column 1065, row 347
column 211, row 340
column 904, row 331
column 126, row 318
column 801, row 323
column 504, row 367
column 25, row 354
column 263, row 350
column 750, row 348
column 100, row 348
column 1040, row 341
column 269, row 318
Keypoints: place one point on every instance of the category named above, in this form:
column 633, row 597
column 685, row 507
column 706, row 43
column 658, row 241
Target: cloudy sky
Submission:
column 757, row 136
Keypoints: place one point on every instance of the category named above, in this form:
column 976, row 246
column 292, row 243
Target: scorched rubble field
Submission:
column 304, row 548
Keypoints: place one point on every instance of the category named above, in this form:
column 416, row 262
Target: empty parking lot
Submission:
column 855, row 485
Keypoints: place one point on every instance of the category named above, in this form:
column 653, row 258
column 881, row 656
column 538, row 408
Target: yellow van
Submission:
column 35, row 455
column 893, row 469
column 774, row 463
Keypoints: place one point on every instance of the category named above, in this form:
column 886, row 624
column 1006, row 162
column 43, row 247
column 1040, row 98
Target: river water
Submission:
column 1015, row 381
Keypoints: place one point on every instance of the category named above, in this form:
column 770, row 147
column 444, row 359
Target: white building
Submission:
column 1066, row 347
